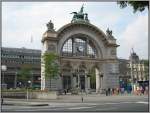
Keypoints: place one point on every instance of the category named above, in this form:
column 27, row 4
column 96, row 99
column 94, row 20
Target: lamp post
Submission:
column 28, row 85
column 3, row 68
column 15, row 81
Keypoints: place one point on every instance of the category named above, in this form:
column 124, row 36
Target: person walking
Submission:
column 106, row 91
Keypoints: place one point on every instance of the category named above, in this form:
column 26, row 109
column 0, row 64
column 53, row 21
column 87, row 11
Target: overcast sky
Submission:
column 23, row 20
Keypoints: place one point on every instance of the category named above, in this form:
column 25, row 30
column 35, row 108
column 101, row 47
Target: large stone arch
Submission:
column 89, row 30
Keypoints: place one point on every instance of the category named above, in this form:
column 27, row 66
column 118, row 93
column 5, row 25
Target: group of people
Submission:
column 111, row 91
column 116, row 91
column 141, row 90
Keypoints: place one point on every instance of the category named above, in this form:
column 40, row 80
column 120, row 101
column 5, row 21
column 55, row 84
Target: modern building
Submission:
column 81, row 47
column 14, row 59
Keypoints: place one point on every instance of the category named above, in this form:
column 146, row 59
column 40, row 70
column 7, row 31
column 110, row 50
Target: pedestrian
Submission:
column 113, row 91
column 82, row 98
column 106, row 91
column 65, row 91
column 122, row 90
column 118, row 91
column 143, row 90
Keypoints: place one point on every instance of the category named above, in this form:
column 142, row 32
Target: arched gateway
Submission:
column 82, row 48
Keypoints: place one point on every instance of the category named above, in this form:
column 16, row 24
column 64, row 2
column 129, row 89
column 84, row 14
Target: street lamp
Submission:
column 3, row 68
column 28, row 85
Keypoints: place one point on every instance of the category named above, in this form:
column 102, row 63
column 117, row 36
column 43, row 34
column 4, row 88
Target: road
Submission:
column 115, row 104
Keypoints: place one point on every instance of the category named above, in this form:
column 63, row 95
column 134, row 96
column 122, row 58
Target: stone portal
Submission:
column 82, row 48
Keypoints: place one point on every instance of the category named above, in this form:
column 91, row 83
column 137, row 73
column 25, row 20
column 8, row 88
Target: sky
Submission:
column 23, row 20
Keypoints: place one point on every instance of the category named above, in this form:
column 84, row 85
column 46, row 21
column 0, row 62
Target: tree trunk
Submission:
column 50, row 83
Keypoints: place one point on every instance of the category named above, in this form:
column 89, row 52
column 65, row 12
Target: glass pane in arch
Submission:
column 79, row 47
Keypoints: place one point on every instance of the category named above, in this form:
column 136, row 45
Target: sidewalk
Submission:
column 69, row 99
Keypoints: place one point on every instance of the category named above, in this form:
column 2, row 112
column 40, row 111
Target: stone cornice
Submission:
column 48, row 35
column 84, row 59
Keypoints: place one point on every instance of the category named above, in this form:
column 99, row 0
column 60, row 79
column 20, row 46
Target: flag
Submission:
column 31, row 39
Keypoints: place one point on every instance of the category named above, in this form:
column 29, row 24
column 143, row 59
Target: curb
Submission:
column 17, row 104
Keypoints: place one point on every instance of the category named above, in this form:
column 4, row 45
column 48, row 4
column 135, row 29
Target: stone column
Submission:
column 59, row 84
column 42, row 75
column 101, row 83
column 97, row 81
column 79, row 81
column 88, row 83
column 74, row 83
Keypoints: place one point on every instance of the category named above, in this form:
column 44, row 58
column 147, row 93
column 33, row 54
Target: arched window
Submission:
column 79, row 46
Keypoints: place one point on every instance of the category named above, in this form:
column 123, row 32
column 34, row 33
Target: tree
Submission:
column 137, row 5
column 51, row 65
column 24, row 74
column 93, row 78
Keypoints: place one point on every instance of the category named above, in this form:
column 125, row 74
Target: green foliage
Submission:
column 137, row 5
column 24, row 74
column 93, row 78
column 51, row 65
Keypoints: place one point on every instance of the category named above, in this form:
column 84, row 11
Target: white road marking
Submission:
column 142, row 102
column 112, row 103
column 80, row 107
column 110, row 108
column 127, row 102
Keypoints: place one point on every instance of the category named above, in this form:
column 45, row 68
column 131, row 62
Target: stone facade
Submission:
column 78, row 61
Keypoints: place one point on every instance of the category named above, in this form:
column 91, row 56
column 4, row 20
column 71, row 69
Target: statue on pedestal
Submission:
column 80, row 16
column 50, row 26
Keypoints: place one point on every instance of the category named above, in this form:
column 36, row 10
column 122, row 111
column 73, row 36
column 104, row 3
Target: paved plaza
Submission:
column 73, row 103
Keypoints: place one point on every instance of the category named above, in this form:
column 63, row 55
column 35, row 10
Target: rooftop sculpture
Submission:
column 109, row 33
column 80, row 16
column 50, row 26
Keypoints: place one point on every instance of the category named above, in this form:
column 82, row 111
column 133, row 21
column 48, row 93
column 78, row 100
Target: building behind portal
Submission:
column 14, row 59
column 133, row 71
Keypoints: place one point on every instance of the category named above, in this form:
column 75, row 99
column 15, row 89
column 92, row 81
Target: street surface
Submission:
column 126, row 103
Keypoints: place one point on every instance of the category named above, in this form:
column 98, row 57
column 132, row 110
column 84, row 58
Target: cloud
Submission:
column 20, row 23
column 136, row 36
column 21, row 20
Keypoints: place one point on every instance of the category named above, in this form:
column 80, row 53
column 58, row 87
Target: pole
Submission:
column 3, row 79
column 27, row 94
column 15, row 81
column 81, row 96
column 2, row 101
column 132, row 74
